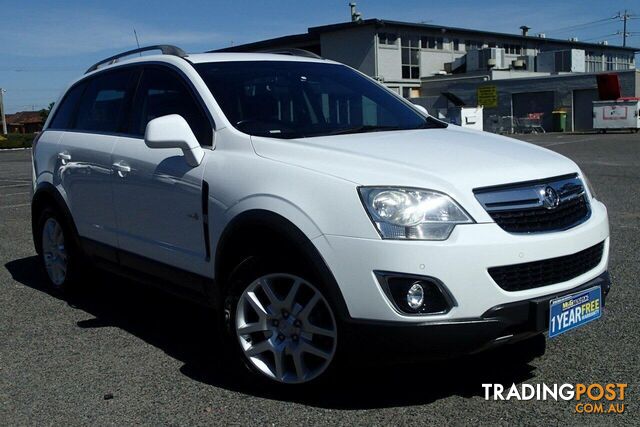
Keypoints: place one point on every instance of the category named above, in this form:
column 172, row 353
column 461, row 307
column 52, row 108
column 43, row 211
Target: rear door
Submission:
column 157, row 196
column 84, row 169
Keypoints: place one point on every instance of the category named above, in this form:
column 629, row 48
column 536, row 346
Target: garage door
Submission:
column 534, row 102
column 583, row 108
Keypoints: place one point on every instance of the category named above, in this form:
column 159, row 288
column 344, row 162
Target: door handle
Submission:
column 122, row 169
column 64, row 157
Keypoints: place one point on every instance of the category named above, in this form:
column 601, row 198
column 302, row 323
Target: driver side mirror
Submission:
column 173, row 131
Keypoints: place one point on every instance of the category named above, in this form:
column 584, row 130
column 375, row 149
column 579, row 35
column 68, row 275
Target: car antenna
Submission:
column 137, row 41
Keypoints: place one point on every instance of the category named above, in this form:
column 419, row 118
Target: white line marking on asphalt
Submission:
column 600, row 163
column 15, row 206
column 15, row 185
column 15, row 194
column 552, row 144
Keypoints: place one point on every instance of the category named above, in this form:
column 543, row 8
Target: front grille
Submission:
column 536, row 220
column 552, row 204
column 530, row 275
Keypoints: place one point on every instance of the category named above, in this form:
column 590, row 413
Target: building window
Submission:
column 410, row 58
column 594, row 62
column 456, row 44
column 610, row 62
column 429, row 42
column 622, row 62
column 388, row 39
column 473, row 44
column 512, row 49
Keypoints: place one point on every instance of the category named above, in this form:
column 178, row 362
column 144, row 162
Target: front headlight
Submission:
column 408, row 213
column 587, row 182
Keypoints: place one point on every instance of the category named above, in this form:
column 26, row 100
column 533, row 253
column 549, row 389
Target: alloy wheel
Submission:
column 286, row 328
column 54, row 251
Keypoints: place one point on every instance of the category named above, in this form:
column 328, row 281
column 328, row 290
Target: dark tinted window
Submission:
column 67, row 108
column 290, row 99
column 104, row 101
column 162, row 92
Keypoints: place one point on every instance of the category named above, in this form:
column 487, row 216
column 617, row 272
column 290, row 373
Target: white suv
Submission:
column 317, row 211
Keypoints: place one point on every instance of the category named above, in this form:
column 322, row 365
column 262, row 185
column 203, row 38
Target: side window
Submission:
column 103, row 102
column 67, row 108
column 162, row 92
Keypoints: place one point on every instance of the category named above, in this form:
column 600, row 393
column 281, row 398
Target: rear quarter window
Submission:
column 64, row 116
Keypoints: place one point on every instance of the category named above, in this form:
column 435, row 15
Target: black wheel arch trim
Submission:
column 275, row 222
column 47, row 193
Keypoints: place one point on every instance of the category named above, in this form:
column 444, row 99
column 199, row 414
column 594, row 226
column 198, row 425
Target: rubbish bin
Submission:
column 559, row 121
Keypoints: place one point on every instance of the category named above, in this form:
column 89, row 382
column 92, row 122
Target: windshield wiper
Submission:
column 362, row 129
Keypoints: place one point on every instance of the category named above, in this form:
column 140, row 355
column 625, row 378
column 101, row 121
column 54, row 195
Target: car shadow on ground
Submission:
column 188, row 333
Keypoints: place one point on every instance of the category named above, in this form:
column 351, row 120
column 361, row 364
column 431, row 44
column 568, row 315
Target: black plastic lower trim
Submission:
column 435, row 340
column 176, row 281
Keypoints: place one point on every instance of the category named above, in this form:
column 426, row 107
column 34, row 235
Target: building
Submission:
column 521, row 94
column 401, row 54
column 25, row 122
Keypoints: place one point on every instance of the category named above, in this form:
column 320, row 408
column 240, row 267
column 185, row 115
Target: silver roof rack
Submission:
column 166, row 49
column 293, row 52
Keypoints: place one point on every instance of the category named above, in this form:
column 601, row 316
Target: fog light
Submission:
column 415, row 296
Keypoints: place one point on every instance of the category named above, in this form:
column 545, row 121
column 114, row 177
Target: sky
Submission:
column 44, row 44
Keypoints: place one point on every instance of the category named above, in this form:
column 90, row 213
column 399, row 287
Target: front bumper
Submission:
column 461, row 263
column 502, row 324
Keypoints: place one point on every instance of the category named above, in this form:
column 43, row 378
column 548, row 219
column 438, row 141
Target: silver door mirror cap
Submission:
column 173, row 131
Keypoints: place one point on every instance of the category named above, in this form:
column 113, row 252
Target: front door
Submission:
column 157, row 195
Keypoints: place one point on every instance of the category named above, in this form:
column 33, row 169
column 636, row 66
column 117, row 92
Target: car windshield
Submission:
column 294, row 99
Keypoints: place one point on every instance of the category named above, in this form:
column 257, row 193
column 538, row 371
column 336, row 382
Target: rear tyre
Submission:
column 281, row 322
column 59, row 256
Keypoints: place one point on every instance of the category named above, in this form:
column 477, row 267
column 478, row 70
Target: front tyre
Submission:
column 284, row 326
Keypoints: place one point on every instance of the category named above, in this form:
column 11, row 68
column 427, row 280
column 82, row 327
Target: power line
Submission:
column 586, row 27
column 617, row 33
column 576, row 26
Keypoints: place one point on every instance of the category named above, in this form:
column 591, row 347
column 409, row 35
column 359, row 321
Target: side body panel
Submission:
column 83, row 174
column 158, row 205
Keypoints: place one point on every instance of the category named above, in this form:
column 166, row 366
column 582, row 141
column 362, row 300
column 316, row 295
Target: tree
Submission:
column 44, row 113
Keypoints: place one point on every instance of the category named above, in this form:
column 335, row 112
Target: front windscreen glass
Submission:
column 295, row 99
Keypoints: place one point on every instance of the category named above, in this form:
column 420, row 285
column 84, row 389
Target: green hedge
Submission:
column 16, row 140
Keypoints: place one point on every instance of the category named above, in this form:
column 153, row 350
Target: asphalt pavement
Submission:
column 119, row 353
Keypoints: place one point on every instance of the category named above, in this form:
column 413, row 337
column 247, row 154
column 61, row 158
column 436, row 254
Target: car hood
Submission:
column 452, row 159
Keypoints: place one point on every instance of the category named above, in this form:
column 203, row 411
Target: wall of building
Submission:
column 432, row 61
column 562, row 87
column 390, row 62
column 354, row 47
column 570, row 60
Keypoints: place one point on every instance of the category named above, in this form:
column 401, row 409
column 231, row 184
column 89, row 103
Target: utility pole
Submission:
column 2, row 115
column 625, row 17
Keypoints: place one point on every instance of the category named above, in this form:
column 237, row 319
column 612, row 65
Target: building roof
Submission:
column 294, row 39
column 24, row 117
column 313, row 35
